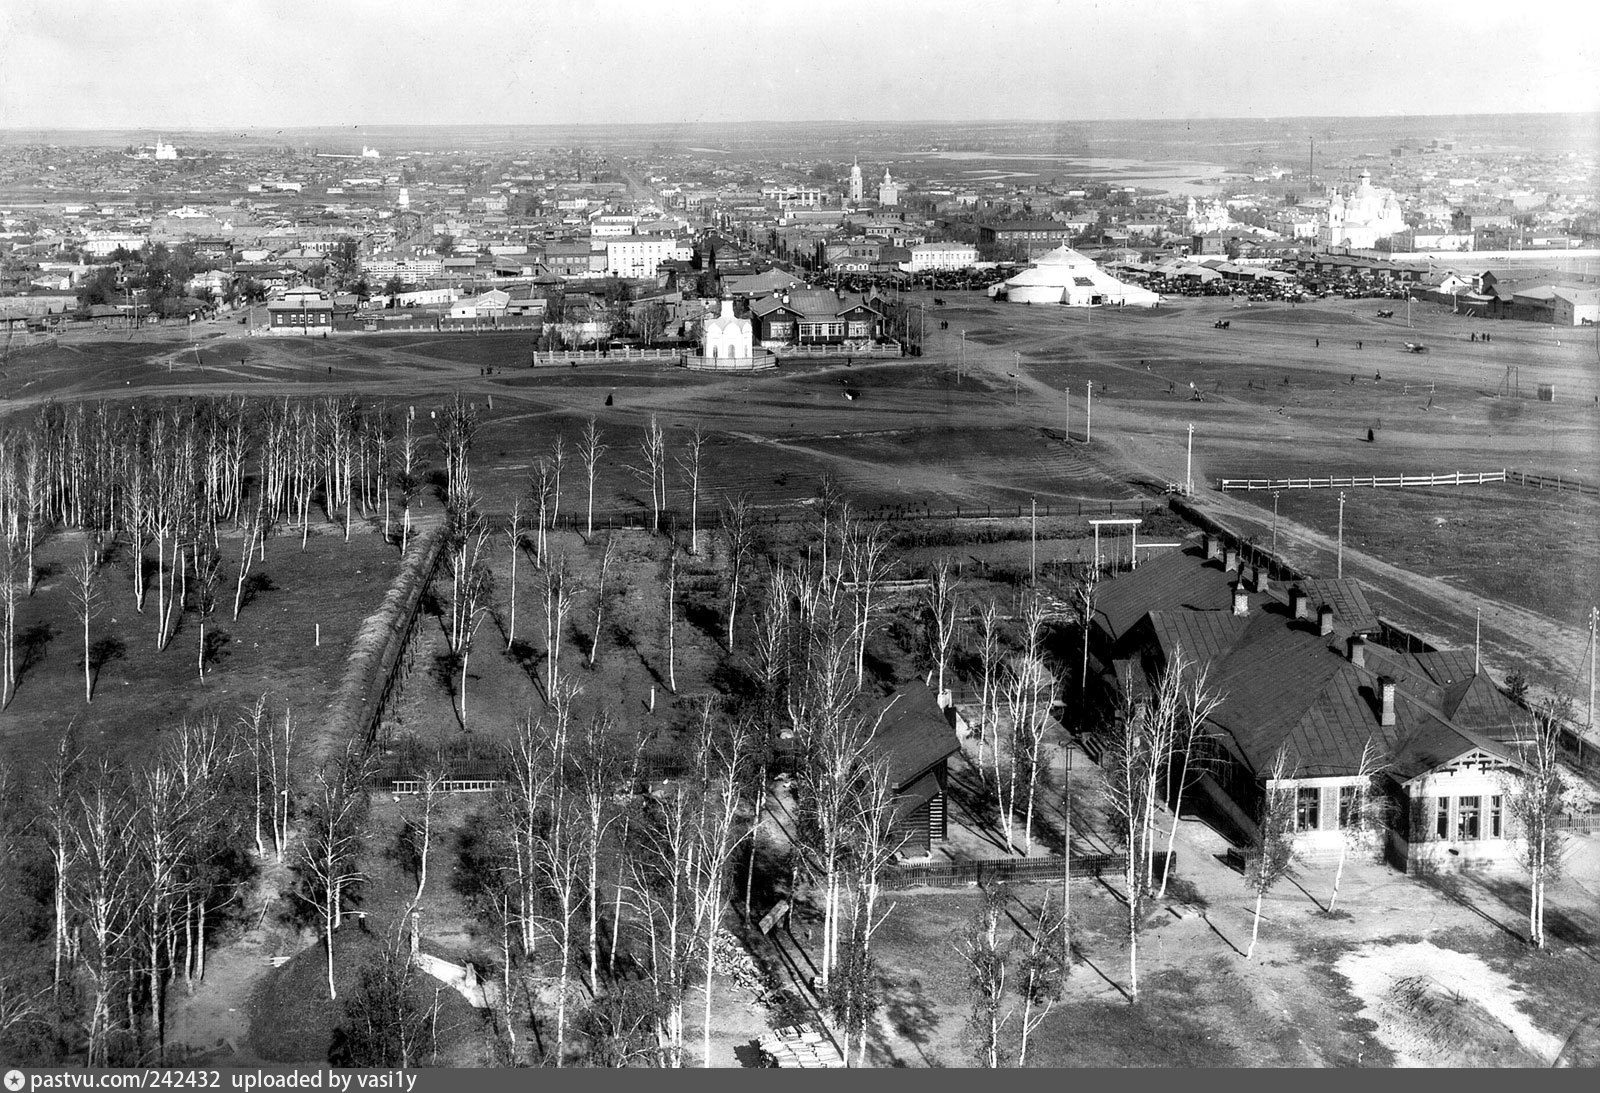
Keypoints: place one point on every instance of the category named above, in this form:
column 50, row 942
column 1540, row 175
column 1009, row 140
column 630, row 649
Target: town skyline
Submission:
column 256, row 65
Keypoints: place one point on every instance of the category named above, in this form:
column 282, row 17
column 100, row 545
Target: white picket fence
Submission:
column 1334, row 482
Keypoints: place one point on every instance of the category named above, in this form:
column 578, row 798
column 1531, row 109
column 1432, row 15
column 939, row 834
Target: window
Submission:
column 1467, row 818
column 1495, row 813
column 1307, row 808
column 1441, row 828
column 1349, row 806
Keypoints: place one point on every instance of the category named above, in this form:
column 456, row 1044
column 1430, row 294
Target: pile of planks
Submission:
column 802, row 1046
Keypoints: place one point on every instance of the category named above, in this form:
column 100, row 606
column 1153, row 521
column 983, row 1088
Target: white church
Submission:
column 727, row 344
column 1360, row 220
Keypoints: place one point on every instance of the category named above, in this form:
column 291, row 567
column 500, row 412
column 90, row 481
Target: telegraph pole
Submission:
column 1339, row 558
column 1275, row 495
column 1088, row 411
column 962, row 367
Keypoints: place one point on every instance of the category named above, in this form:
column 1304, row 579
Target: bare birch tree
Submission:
column 691, row 463
column 737, row 516
column 653, row 450
column 608, row 562
column 514, row 541
column 1536, row 790
column 590, row 451
column 1360, row 812
column 1042, row 970
column 329, row 863
column 988, row 959
column 86, row 596
column 941, row 607
column 1269, row 860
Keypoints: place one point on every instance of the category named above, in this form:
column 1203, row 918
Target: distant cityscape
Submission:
column 495, row 231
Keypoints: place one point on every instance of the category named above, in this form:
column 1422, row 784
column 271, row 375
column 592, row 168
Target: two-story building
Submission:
column 304, row 311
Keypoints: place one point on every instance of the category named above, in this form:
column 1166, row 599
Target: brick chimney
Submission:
column 1212, row 545
column 1324, row 620
column 1358, row 650
column 1299, row 603
column 1262, row 579
column 1386, row 688
column 1230, row 559
column 1241, row 599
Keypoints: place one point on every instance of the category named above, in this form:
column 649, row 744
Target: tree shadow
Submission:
column 526, row 657
column 1452, row 886
column 31, row 646
column 913, row 1018
column 103, row 652
column 1577, row 932
column 219, row 647
column 254, row 585
column 749, row 1055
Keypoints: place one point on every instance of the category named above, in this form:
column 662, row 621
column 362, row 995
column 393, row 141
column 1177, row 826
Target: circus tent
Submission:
column 1063, row 276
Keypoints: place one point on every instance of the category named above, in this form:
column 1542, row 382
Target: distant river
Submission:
column 1173, row 176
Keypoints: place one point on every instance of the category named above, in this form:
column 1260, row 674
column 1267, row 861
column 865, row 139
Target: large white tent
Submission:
column 1064, row 276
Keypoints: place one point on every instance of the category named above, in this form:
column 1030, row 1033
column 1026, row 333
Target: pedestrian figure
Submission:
column 608, row 400
column 1358, row 345
column 1319, row 343
column 1377, row 376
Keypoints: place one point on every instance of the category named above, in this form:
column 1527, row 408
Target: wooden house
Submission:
column 1305, row 669
column 916, row 736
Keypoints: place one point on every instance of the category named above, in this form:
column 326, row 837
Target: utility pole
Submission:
column 962, row 367
column 1188, row 466
column 1088, row 411
column 1033, row 542
column 1477, row 638
column 1275, row 495
column 1339, row 558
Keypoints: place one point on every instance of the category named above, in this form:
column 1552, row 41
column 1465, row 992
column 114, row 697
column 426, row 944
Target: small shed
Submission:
column 916, row 735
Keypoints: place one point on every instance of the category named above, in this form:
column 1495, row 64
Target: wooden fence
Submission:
column 1560, row 483
column 554, row 357
column 1334, row 482
column 962, row 874
column 448, row 785
column 795, row 512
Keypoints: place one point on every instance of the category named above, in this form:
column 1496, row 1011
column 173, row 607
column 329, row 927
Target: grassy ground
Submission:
column 139, row 691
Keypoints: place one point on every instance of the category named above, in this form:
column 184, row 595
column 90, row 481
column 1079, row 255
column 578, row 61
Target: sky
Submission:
column 181, row 64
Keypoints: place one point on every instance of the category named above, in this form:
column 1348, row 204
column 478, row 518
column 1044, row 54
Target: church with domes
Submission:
column 1361, row 219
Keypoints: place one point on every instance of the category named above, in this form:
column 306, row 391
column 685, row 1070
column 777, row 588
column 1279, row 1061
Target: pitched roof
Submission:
column 1174, row 579
column 1352, row 614
column 1284, row 684
column 913, row 734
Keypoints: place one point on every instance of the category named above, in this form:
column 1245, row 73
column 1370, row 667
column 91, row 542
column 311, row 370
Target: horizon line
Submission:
column 223, row 125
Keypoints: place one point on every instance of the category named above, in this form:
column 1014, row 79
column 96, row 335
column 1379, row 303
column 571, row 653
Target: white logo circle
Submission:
column 15, row 1080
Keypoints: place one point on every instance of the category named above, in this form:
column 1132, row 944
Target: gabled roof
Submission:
column 1171, row 580
column 1284, row 684
column 913, row 734
column 773, row 280
column 1352, row 614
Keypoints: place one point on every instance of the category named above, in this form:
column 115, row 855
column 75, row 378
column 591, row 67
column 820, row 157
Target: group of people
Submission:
column 1484, row 337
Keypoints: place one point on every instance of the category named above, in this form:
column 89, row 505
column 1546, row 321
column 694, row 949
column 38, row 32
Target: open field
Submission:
column 967, row 427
